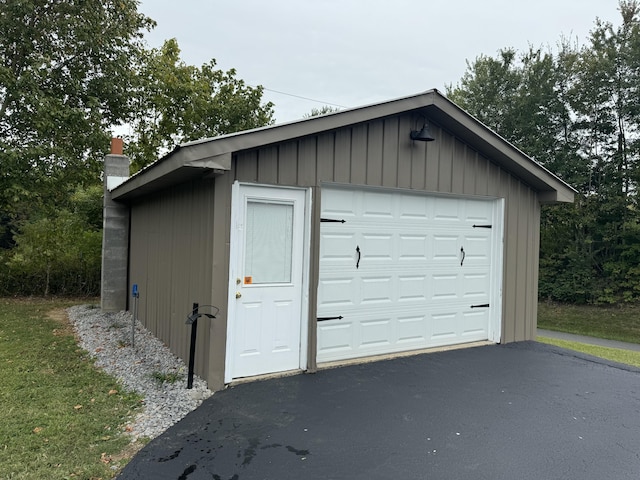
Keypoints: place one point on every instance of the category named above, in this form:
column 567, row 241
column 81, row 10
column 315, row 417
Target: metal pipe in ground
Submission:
column 135, row 294
column 192, row 348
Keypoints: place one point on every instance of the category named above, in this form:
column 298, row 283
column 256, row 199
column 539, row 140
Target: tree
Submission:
column 70, row 71
column 175, row 102
column 523, row 99
column 316, row 112
column 487, row 88
column 65, row 77
column 577, row 113
column 58, row 253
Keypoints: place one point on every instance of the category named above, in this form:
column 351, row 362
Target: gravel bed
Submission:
column 107, row 338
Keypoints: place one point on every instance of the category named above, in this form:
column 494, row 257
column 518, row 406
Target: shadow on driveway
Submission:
column 518, row 411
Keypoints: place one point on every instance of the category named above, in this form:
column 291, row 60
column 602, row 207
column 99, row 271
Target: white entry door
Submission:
column 266, row 267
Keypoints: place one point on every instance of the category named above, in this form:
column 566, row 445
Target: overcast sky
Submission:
column 355, row 52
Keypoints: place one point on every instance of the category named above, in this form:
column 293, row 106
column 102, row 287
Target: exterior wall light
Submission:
column 423, row 135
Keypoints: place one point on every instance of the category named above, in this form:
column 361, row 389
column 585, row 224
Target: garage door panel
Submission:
column 477, row 249
column 337, row 248
column 476, row 286
column 412, row 330
column 474, row 324
column 376, row 248
column 444, row 287
column 336, row 292
column 376, row 332
column 376, row 206
column 476, row 212
column 422, row 266
column 446, row 248
column 376, row 290
column 334, row 339
column 413, row 247
column 446, row 210
column 344, row 289
column 413, row 209
column 458, row 287
column 443, row 327
column 412, row 289
column 340, row 204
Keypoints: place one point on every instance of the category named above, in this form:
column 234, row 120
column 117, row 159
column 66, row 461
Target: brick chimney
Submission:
column 117, row 146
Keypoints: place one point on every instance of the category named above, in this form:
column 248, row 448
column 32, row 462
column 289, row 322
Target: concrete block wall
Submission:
column 115, row 234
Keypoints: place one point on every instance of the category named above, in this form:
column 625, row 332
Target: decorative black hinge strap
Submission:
column 482, row 305
column 482, row 226
column 332, row 220
column 324, row 319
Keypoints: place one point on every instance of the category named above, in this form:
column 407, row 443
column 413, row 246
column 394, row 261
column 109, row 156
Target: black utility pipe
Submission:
column 192, row 319
column 192, row 348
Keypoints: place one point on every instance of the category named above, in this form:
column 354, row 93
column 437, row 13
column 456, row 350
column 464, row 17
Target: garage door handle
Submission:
column 358, row 252
column 463, row 255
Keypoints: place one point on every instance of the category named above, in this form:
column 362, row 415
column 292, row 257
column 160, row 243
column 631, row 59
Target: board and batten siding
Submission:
column 174, row 244
column 380, row 153
column 179, row 251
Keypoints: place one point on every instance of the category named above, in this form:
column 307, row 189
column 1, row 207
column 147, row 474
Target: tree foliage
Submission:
column 59, row 253
column 65, row 76
column 323, row 110
column 176, row 103
column 577, row 113
column 71, row 71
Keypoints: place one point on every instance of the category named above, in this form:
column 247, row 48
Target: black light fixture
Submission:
column 423, row 135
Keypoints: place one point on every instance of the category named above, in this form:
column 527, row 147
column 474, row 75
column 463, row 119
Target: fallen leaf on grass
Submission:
column 37, row 430
column 77, row 407
column 104, row 458
column 113, row 392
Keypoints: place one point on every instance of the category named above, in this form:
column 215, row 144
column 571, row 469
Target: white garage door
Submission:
column 401, row 271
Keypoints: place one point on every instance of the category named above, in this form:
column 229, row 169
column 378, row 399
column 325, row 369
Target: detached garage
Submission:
column 339, row 237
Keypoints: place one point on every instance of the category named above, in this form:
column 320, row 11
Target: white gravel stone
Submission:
column 107, row 338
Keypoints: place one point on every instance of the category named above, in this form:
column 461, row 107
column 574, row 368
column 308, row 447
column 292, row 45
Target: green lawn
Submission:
column 60, row 417
column 614, row 323
column 614, row 354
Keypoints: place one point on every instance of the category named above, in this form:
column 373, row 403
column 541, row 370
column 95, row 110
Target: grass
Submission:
column 162, row 377
column 60, row 417
column 614, row 323
column 627, row 357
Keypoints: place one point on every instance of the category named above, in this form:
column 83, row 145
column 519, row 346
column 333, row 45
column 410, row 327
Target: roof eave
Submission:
column 213, row 155
column 550, row 188
column 181, row 165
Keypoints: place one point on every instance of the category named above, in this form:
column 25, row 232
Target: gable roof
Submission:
column 213, row 155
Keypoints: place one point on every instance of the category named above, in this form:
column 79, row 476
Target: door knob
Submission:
column 238, row 294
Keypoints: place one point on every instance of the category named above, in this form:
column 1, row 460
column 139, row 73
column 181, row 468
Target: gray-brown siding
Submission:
column 180, row 238
column 380, row 153
column 173, row 242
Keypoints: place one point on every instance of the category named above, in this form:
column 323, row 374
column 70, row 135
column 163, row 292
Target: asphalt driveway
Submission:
column 518, row 411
